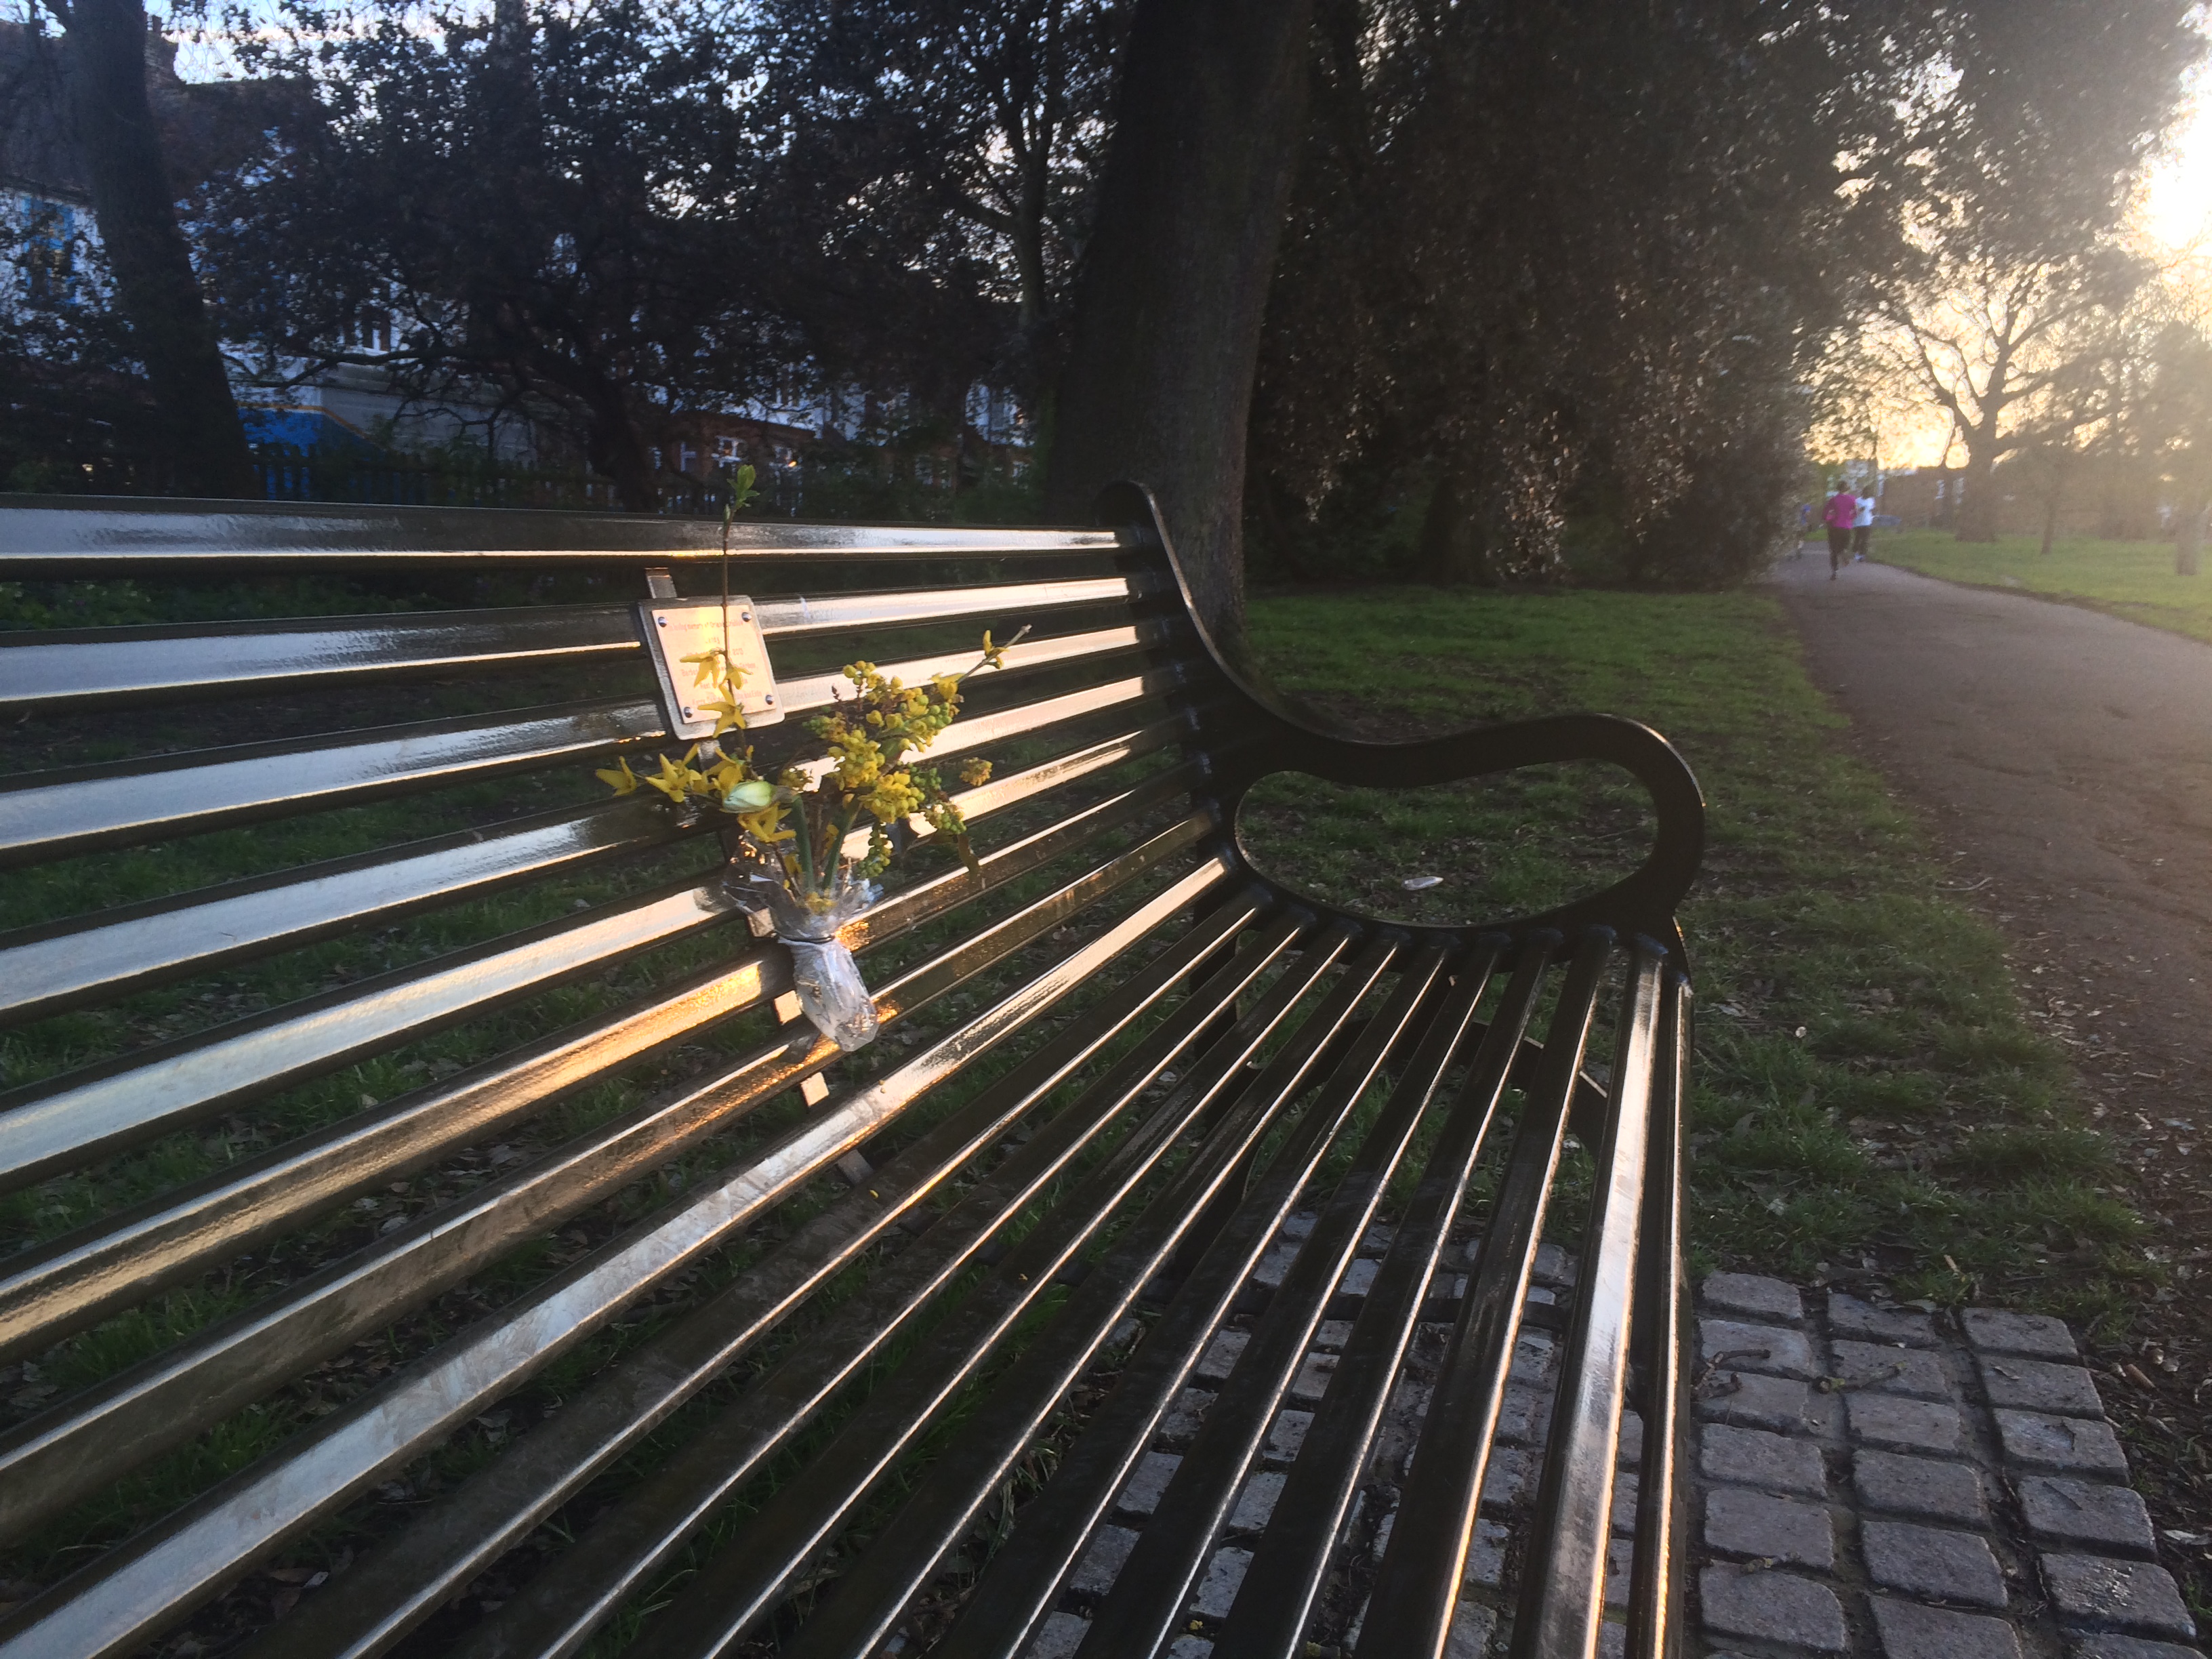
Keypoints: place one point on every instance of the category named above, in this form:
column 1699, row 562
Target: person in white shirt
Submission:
column 1862, row 529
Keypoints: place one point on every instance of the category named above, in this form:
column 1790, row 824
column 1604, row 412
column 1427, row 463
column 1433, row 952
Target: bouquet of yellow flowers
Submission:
column 818, row 834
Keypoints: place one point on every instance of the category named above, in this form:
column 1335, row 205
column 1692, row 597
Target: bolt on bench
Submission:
column 437, row 1226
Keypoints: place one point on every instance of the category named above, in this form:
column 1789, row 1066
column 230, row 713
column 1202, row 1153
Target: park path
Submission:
column 2065, row 759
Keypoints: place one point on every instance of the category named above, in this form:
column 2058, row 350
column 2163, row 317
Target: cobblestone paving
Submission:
column 1875, row 1482
column 1509, row 1490
column 1885, row 1482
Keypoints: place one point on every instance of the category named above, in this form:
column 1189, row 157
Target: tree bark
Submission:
column 2188, row 539
column 1174, row 292
column 136, row 210
column 1977, row 512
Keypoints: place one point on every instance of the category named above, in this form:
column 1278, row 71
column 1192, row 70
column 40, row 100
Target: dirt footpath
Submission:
column 2064, row 758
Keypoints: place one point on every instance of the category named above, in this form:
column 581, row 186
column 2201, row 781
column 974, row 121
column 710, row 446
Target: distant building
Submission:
column 46, row 212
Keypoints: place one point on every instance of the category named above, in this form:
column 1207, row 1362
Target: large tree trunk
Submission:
column 153, row 267
column 1977, row 512
column 1166, row 339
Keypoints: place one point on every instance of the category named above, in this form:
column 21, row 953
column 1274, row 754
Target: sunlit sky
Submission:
column 2177, row 204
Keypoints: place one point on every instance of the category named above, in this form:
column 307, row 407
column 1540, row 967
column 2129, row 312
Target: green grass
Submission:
column 1867, row 1098
column 2135, row 579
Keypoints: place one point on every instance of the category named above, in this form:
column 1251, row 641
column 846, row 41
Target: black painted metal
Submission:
column 1273, row 1605
column 1285, row 1021
column 1410, row 1608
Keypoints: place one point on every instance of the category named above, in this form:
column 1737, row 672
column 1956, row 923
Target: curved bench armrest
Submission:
column 1289, row 736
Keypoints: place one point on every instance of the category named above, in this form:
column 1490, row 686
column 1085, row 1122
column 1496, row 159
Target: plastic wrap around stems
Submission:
column 823, row 971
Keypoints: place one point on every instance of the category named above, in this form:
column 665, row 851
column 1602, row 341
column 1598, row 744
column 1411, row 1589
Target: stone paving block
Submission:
column 1472, row 1626
column 2129, row 1647
column 1933, row 1490
column 1376, row 1241
column 1359, row 1278
column 1763, row 1402
column 1949, row 1566
column 1140, row 1494
column 1275, row 1264
column 1620, row 1566
column 1879, row 1368
column 1222, row 1575
column 1183, row 1418
column 1510, row 1479
column 1109, row 1552
column 1885, row 1420
column 1768, row 1299
column 1612, row 1641
column 1486, row 1555
column 1190, row 1647
column 1553, row 1267
column 1299, row 1226
column 1312, row 1380
column 2098, row 1592
column 1908, row 1630
column 1535, row 1357
column 2034, row 1334
column 1631, row 1438
column 1864, row 1321
column 2061, row 1445
column 2061, row 1511
column 1626, row 1485
column 1771, row 1607
column 1730, row 1344
column 1288, row 1434
column 1062, row 1634
column 1221, row 1356
column 1258, row 1502
column 2038, row 1385
column 1751, row 1457
column 1524, row 1417
column 1779, row 1529
column 1333, row 1334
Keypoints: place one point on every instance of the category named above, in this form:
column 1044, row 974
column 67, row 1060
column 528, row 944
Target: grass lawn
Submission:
column 1867, row 1101
column 2134, row 580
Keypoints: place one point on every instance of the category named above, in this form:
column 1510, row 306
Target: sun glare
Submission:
column 2175, row 210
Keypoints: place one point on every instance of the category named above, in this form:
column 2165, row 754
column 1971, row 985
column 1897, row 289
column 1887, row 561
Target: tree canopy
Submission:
column 1495, row 285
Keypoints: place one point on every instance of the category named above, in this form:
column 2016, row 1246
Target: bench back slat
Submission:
column 305, row 913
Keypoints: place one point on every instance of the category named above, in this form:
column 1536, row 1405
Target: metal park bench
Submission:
column 438, row 1230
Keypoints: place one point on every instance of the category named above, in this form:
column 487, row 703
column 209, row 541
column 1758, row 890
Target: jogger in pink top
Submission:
column 1842, row 511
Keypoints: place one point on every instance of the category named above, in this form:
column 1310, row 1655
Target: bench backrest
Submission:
column 347, row 1008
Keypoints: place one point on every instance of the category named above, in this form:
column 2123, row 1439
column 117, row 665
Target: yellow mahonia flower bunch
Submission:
column 868, row 737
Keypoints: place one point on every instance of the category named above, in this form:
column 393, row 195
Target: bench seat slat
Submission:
column 650, row 1523
column 740, row 1584
column 1436, row 1511
column 1285, row 1574
column 441, row 1553
column 68, row 1450
column 135, row 1588
column 171, row 661
column 1572, row 1524
column 1149, row 1596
